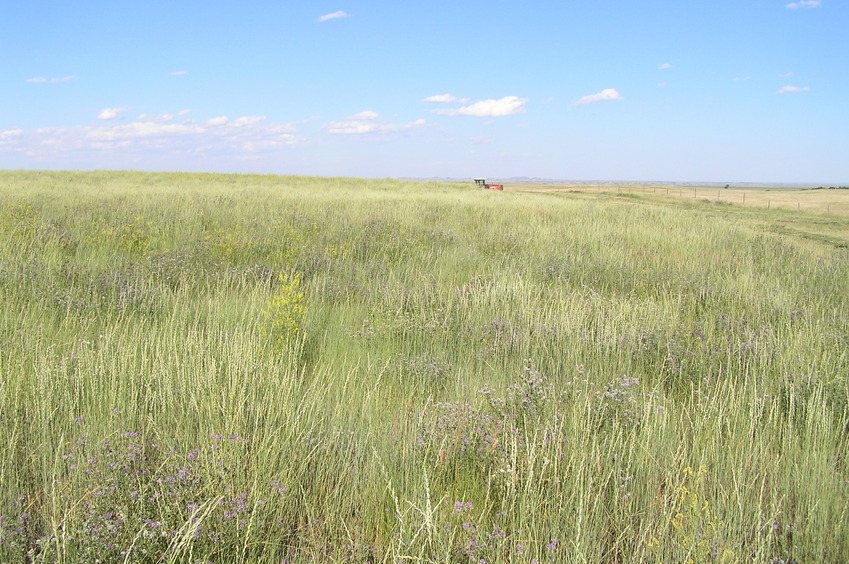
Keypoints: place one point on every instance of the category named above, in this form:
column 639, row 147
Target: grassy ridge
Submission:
column 219, row 368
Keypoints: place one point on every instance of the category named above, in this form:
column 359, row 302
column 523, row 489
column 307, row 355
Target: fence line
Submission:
column 708, row 194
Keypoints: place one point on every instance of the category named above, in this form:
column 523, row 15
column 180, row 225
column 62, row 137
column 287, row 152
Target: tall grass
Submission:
column 252, row 368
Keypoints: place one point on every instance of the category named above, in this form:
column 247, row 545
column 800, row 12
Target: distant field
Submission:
column 825, row 200
column 238, row 368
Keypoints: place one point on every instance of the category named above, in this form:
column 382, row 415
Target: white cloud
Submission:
column 786, row 89
column 110, row 113
column 141, row 129
column 368, row 122
column 152, row 136
column 333, row 16
column 444, row 99
column 606, row 94
column 246, row 121
column 365, row 127
column 220, row 120
column 665, row 66
column 404, row 126
column 488, row 108
column 9, row 136
column 162, row 118
column 351, row 127
column 785, row 75
column 367, row 114
column 52, row 80
column 804, row 4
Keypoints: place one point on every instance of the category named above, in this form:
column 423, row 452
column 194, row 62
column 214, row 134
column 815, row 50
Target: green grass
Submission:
column 457, row 375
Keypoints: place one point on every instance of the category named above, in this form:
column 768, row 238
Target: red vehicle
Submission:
column 482, row 183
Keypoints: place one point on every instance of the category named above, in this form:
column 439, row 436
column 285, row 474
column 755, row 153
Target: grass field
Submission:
column 820, row 200
column 224, row 368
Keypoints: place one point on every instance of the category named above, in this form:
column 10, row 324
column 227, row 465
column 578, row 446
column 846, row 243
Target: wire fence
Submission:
column 814, row 200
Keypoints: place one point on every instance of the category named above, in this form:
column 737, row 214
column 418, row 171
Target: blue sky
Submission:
column 724, row 91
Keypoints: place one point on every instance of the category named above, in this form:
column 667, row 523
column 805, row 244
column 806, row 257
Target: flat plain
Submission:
column 224, row 368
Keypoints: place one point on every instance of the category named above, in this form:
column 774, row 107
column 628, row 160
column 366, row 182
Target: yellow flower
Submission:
column 286, row 310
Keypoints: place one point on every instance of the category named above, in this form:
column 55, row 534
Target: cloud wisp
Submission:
column 444, row 99
column 110, row 113
column 664, row 66
column 365, row 115
column 606, row 94
column 41, row 79
column 788, row 89
column 333, row 16
column 161, row 118
column 804, row 4
column 505, row 106
column 9, row 136
column 368, row 122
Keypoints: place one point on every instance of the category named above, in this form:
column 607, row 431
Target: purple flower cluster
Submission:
column 619, row 403
column 431, row 369
column 499, row 339
column 457, row 429
column 128, row 499
column 525, row 414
